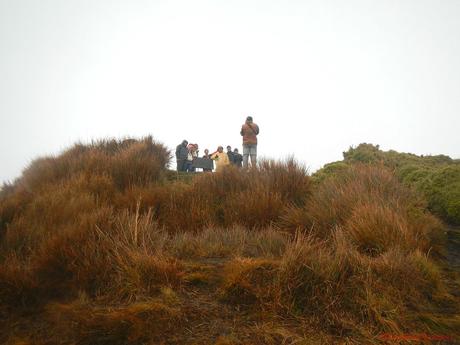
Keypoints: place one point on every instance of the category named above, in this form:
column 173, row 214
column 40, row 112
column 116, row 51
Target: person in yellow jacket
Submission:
column 221, row 158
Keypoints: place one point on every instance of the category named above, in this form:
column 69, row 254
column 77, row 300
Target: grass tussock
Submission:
column 245, row 282
column 101, row 246
column 91, row 325
column 373, row 207
column 436, row 177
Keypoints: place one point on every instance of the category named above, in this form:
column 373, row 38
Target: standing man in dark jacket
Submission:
column 181, row 155
column 207, row 156
column 249, row 132
column 237, row 158
column 230, row 155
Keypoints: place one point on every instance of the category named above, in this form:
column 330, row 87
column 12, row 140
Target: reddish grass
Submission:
column 98, row 246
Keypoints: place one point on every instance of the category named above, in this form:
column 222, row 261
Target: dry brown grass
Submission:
column 97, row 246
column 100, row 325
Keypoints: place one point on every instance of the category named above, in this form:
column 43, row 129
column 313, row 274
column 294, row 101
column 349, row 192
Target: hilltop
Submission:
column 104, row 245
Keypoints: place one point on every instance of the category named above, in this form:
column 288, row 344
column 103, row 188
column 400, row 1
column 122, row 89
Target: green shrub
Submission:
column 437, row 177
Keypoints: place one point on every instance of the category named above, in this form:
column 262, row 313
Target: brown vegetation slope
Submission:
column 98, row 246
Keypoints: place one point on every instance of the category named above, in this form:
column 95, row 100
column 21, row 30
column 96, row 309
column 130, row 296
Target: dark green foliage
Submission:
column 329, row 169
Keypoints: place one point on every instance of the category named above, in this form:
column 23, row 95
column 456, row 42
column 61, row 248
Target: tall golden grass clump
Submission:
column 101, row 246
column 254, row 198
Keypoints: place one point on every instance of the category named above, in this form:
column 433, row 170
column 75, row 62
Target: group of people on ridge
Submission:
column 186, row 153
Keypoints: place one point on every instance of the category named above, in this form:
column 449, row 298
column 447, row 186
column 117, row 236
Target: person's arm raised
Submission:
column 214, row 154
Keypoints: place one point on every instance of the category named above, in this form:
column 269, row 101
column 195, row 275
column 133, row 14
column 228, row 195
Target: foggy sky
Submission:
column 317, row 76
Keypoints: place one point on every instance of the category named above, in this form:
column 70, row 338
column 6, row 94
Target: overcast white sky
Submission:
column 317, row 76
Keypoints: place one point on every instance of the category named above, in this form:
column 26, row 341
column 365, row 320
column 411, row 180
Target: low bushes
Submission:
column 436, row 177
column 101, row 238
column 373, row 206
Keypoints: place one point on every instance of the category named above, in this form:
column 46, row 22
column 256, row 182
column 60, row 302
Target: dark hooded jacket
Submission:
column 237, row 159
column 182, row 151
column 230, row 157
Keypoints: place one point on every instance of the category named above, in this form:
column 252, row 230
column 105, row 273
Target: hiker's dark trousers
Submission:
column 181, row 165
